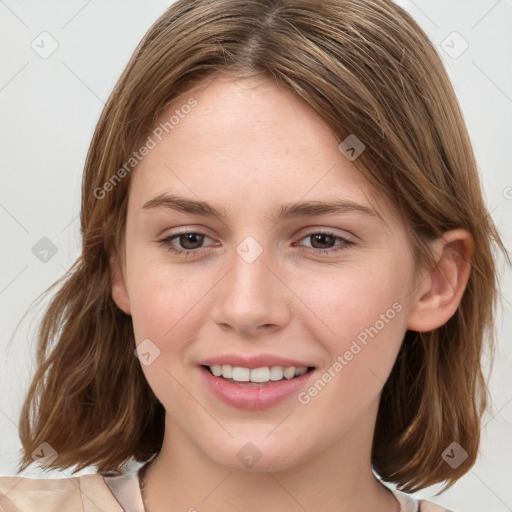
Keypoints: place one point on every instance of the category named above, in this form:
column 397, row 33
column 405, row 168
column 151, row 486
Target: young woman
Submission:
column 286, row 279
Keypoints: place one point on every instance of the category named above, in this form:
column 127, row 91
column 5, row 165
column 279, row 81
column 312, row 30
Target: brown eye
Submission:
column 325, row 242
column 188, row 242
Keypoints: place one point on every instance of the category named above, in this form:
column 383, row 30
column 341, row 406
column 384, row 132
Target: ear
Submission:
column 119, row 291
column 439, row 293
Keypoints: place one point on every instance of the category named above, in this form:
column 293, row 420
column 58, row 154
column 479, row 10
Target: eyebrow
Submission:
column 289, row 210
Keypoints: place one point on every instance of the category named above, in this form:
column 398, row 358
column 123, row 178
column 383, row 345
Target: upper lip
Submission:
column 256, row 361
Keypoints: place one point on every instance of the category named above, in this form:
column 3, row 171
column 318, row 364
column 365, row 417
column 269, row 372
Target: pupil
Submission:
column 320, row 236
column 188, row 240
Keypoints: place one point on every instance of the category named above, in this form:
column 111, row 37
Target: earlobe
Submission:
column 118, row 286
column 439, row 293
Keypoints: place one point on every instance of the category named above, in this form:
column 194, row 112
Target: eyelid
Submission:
column 343, row 233
column 308, row 230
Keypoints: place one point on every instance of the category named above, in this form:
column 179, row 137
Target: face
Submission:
column 329, row 291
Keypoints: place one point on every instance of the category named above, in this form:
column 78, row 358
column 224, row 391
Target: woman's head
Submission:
column 243, row 105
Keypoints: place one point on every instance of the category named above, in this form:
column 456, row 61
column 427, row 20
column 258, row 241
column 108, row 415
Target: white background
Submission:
column 49, row 108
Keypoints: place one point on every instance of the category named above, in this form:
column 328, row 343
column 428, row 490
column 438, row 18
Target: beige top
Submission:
column 101, row 493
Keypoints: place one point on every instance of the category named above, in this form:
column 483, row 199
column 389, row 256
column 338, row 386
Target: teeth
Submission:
column 216, row 370
column 276, row 373
column 241, row 374
column 260, row 374
column 227, row 371
column 289, row 373
column 263, row 374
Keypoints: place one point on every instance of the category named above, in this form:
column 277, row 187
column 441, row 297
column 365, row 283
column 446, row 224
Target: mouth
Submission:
column 264, row 375
column 235, row 386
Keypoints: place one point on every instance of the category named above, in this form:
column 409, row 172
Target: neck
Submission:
column 338, row 479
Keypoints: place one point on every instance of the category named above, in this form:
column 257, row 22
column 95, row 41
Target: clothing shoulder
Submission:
column 86, row 493
column 429, row 506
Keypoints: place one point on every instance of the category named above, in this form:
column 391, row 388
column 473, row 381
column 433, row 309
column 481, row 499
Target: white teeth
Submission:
column 276, row 373
column 289, row 373
column 241, row 374
column 260, row 374
column 227, row 371
column 216, row 370
column 263, row 374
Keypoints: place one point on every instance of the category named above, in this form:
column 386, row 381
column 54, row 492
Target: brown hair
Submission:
column 368, row 69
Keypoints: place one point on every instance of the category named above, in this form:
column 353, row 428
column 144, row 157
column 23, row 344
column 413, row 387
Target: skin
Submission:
column 260, row 147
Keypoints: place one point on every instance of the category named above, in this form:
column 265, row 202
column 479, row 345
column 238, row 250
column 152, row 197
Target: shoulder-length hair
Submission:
column 367, row 68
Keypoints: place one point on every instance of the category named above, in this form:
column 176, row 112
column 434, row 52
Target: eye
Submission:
column 321, row 239
column 191, row 242
column 188, row 239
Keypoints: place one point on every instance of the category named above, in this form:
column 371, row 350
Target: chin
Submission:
column 258, row 456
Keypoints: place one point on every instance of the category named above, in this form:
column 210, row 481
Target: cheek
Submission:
column 363, row 317
column 368, row 326
column 161, row 296
column 350, row 301
column 163, row 301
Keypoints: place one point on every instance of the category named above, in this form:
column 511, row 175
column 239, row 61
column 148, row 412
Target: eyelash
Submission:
column 167, row 241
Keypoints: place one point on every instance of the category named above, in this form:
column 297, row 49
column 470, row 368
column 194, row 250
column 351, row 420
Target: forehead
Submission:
column 248, row 142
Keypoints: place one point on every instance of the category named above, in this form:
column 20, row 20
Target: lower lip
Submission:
column 250, row 396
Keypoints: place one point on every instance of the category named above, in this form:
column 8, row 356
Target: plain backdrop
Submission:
column 60, row 61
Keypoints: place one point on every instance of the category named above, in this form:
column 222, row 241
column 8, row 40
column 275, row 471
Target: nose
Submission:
column 252, row 297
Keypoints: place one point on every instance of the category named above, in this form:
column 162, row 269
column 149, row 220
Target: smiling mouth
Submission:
column 256, row 376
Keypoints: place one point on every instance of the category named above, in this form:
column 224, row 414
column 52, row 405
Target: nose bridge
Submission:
column 251, row 295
